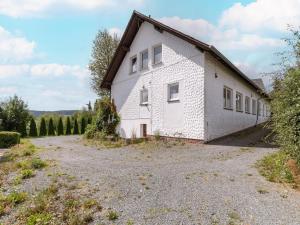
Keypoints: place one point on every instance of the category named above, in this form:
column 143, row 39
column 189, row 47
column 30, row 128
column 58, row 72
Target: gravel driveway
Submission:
column 190, row 184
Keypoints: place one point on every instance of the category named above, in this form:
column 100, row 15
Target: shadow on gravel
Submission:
column 258, row 136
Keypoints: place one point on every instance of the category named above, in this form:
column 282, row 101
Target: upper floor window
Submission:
column 254, row 109
column 144, row 60
column 227, row 95
column 239, row 102
column 157, row 54
column 173, row 92
column 247, row 104
column 133, row 64
column 144, row 97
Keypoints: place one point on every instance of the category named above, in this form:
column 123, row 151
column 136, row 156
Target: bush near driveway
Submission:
column 286, row 113
column 8, row 139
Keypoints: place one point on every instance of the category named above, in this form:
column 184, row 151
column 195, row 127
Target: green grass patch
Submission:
column 274, row 168
column 26, row 173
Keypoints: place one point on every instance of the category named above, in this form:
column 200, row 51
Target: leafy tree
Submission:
column 68, row 126
column 43, row 128
column 23, row 129
column 14, row 112
column 32, row 128
column 107, row 118
column 60, row 127
column 75, row 130
column 104, row 47
column 83, row 125
column 286, row 113
column 51, row 129
column 286, row 99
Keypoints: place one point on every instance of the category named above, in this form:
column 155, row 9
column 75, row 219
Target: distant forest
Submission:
column 36, row 113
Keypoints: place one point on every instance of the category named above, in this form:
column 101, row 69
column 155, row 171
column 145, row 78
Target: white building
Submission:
column 163, row 81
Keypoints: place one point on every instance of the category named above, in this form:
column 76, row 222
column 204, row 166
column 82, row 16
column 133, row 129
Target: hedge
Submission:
column 8, row 139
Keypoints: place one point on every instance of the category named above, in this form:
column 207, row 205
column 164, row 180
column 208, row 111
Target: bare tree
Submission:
column 104, row 47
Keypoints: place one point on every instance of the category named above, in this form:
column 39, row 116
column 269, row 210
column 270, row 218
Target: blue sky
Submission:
column 45, row 46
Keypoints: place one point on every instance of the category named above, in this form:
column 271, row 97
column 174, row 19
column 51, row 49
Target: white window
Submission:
column 239, row 102
column 144, row 60
column 173, row 92
column 247, row 104
column 144, row 97
column 227, row 95
column 157, row 53
column 133, row 64
column 254, row 107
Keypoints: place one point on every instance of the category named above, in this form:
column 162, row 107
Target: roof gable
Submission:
column 130, row 32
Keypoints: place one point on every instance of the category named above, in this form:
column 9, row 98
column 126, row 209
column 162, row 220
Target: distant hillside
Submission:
column 60, row 112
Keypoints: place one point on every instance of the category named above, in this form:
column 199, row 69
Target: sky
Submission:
column 45, row 45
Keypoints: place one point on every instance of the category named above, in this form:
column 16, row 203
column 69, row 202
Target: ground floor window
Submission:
column 247, row 104
column 239, row 102
column 173, row 92
column 227, row 98
column 254, row 108
column 144, row 97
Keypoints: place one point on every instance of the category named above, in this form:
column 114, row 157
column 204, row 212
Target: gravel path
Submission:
column 190, row 184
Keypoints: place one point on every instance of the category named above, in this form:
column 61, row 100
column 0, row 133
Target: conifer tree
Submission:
column 51, row 131
column 75, row 130
column 83, row 125
column 68, row 126
column 60, row 127
column 43, row 128
column 22, row 129
column 32, row 129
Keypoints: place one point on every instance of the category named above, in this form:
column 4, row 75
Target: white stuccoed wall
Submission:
column 219, row 121
column 182, row 63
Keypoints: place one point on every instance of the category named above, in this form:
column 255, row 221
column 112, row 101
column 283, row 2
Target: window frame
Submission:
column 169, row 92
column 225, row 105
column 131, row 65
column 247, row 109
column 142, row 67
column 153, row 54
column 236, row 101
column 142, row 102
column 254, row 109
column 259, row 108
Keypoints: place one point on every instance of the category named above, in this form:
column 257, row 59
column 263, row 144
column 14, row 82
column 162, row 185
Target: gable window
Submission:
column 144, row 97
column 144, row 60
column 247, row 104
column 239, row 102
column 227, row 95
column 173, row 92
column 157, row 54
column 133, row 64
column 254, row 107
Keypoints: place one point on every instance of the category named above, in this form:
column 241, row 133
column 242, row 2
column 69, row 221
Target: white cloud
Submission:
column 262, row 14
column 7, row 91
column 14, row 48
column 43, row 70
column 229, row 38
column 37, row 8
column 115, row 31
